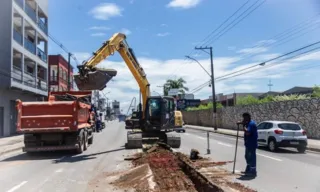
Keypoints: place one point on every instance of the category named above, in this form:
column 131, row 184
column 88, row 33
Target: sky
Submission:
column 163, row 32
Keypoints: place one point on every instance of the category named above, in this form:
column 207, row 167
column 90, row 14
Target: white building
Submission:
column 116, row 107
column 23, row 56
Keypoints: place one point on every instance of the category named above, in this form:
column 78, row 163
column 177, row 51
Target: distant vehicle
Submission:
column 275, row 134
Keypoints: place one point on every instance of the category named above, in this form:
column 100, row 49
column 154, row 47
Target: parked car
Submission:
column 276, row 134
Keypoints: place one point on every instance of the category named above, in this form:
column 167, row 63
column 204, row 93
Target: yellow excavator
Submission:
column 157, row 117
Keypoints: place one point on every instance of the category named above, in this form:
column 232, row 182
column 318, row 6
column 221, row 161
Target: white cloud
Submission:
column 163, row 34
column 98, row 34
column 105, row 11
column 184, row 4
column 253, row 50
column 264, row 57
column 232, row 48
column 102, row 28
column 125, row 31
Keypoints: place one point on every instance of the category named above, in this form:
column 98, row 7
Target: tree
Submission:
column 316, row 91
column 175, row 84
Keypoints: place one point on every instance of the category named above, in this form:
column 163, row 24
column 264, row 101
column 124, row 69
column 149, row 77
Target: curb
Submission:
column 11, row 150
column 213, row 131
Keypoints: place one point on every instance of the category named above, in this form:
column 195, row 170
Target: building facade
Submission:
column 116, row 107
column 59, row 74
column 23, row 56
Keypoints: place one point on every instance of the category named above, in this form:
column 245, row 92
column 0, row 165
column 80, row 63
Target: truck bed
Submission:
column 52, row 116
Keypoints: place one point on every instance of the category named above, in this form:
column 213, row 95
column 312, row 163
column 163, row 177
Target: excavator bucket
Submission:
column 96, row 80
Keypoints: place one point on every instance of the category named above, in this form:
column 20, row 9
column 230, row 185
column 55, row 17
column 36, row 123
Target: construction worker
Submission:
column 250, row 142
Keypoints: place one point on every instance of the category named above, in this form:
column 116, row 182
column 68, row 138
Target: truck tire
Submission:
column 90, row 140
column 85, row 143
column 81, row 142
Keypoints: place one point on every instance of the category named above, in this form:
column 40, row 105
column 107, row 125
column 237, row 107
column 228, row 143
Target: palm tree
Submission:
column 175, row 84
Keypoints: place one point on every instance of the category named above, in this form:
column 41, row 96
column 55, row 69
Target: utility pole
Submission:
column 69, row 69
column 213, row 93
column 270, row 85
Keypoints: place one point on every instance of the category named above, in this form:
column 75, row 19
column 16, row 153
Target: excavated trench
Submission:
column 158, row 169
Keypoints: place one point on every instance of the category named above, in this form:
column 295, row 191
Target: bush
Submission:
column 250, row 100
column 316, row 91
column 204, row 107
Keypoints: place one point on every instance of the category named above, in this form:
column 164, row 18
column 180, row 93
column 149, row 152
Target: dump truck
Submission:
column 64, row 122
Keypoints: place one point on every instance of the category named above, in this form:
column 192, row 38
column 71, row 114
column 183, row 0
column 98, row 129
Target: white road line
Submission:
column 276, row 159
column 59, row 170
column 201, row 137
column 17, row 186
column 224, row 144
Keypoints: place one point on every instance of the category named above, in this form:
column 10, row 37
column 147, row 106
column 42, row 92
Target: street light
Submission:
column 213, row 94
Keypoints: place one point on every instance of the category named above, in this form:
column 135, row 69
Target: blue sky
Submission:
column 162, row 32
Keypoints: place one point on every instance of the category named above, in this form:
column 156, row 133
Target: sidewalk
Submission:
column 9, row 144
column 313, row 145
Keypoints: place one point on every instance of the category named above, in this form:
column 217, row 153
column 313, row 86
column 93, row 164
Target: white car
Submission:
column 276, row 134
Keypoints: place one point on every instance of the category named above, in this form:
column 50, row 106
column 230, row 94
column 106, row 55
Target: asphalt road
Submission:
column 285, row 170
column 62, row 172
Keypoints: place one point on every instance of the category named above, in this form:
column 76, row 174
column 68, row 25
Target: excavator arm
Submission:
column 116, row 43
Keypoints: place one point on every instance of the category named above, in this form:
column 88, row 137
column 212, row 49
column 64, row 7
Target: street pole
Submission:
column 214, row 102
column 69, row 69
column 213, row 95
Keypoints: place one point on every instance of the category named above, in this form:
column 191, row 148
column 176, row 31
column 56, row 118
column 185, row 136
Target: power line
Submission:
column 63, row 48
column 204, row 41
column 270, row 60
column 241, row 19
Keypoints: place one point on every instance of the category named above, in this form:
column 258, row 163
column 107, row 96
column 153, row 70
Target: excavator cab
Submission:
column 159, row 113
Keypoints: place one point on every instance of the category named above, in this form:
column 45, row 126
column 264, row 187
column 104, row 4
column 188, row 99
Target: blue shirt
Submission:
column 251, row 140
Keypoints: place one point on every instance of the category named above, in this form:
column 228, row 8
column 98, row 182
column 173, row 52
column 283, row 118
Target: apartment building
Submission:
column 23, row 56
column 59, row 73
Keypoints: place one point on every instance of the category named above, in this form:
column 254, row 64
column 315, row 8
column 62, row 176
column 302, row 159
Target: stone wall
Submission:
column 306, row 112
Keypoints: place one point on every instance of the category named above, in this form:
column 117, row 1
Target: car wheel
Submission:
column 272, row 145
column 302, row 149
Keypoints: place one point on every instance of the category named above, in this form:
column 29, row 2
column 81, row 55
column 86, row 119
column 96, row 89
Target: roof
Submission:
column 270, row 93
column 297, row 90
column 277, row 122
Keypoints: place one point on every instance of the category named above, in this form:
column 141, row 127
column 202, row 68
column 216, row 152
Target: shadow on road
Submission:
column 57, row 156
column 280, row 150
column 72, row 159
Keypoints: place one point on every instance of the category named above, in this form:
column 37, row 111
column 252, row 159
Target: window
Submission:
column 30, row 69
column 268, row 126
column 289, row 126
column 261, row 126
column 154, row 107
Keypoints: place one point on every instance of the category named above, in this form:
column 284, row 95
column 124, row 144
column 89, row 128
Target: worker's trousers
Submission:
column 251, row 159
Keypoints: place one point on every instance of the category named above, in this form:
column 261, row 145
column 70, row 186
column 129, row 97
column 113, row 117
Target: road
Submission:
column 285, row 170
column 62, row 172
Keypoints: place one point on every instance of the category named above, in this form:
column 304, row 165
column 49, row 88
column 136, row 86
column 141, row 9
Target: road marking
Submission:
column 17, row 186
column 59, row 170
column 224, row 144
column 276, row 159
column 201, row 137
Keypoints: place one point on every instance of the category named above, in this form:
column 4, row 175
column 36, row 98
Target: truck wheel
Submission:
column 85, row 141
column 81, row 143
column 90, row 141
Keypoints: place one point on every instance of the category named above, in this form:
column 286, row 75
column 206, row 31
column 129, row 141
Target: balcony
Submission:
column 30, row 46
column 43, row 26
column 29, row 79
column 20, row 3
column 42, row 84
column 31, row 12
column 16, row 74
column 42, row 55
column 17, row 36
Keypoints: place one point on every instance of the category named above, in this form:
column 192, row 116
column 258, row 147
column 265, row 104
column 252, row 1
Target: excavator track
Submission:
column 136, row 140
